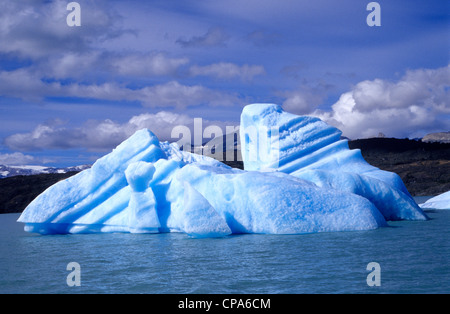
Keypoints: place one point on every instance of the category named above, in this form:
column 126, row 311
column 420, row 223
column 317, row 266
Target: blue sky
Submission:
column 68, row 95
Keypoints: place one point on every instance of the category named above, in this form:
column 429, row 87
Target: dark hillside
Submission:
column 423, row 167
column 17, row 192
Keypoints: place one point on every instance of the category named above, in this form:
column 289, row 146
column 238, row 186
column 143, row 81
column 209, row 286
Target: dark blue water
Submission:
column 414, row 258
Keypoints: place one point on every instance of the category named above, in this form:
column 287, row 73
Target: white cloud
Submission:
column 415, row 105
column 81, row 65
column 160, row 123
column 69, row 65
column 181, row 96
column 15, row 159
column 37, row 28
column 305, row 98
column 224, row 70
column 150, row 64
column 301, row 101
column 102, row 135
column 26, row 83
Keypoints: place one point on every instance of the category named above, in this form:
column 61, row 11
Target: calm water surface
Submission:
column 414, row 258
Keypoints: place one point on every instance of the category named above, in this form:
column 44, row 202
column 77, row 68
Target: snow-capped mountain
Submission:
column 10, row 171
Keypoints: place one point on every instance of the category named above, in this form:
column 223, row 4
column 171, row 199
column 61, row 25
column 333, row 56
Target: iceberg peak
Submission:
column 308, row 148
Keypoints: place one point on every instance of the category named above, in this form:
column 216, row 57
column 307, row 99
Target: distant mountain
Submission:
column 18, row 191
column 227, row 146
column 11, row 171
column 440, row 137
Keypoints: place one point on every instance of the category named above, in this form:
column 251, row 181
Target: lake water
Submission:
column 413, row 258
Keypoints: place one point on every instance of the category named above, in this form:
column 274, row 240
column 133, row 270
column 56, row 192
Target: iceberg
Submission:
column 308, row 148
column 441, row 201
column 273, row 203
column 148, row 186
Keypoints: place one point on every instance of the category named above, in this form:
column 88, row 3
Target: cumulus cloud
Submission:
column 93, row 135
column 81, row 65
column 214, row 37
column 103, row 135
column 301, row 101
column 15, row 159
column 305, row 98
column 33, row 29
column 413, row 106
column 181, row 96
column 224, row 70
column 50, row 59
column 170, row 94
column 68, row 65
column 150, row 64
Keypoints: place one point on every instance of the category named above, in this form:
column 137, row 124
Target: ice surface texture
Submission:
column 148, row 186
column 442, row 201
column 308, row 148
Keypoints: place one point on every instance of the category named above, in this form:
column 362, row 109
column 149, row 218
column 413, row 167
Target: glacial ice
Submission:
column 308, row 148
column 441, row 201
column 148, row 186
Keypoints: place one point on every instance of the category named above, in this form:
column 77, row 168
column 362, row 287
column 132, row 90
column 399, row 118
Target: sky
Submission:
column 70, row 94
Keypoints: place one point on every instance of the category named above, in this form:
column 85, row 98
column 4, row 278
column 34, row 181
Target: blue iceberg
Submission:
column 148, row 186
column 308, row 148
column 441, row 201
